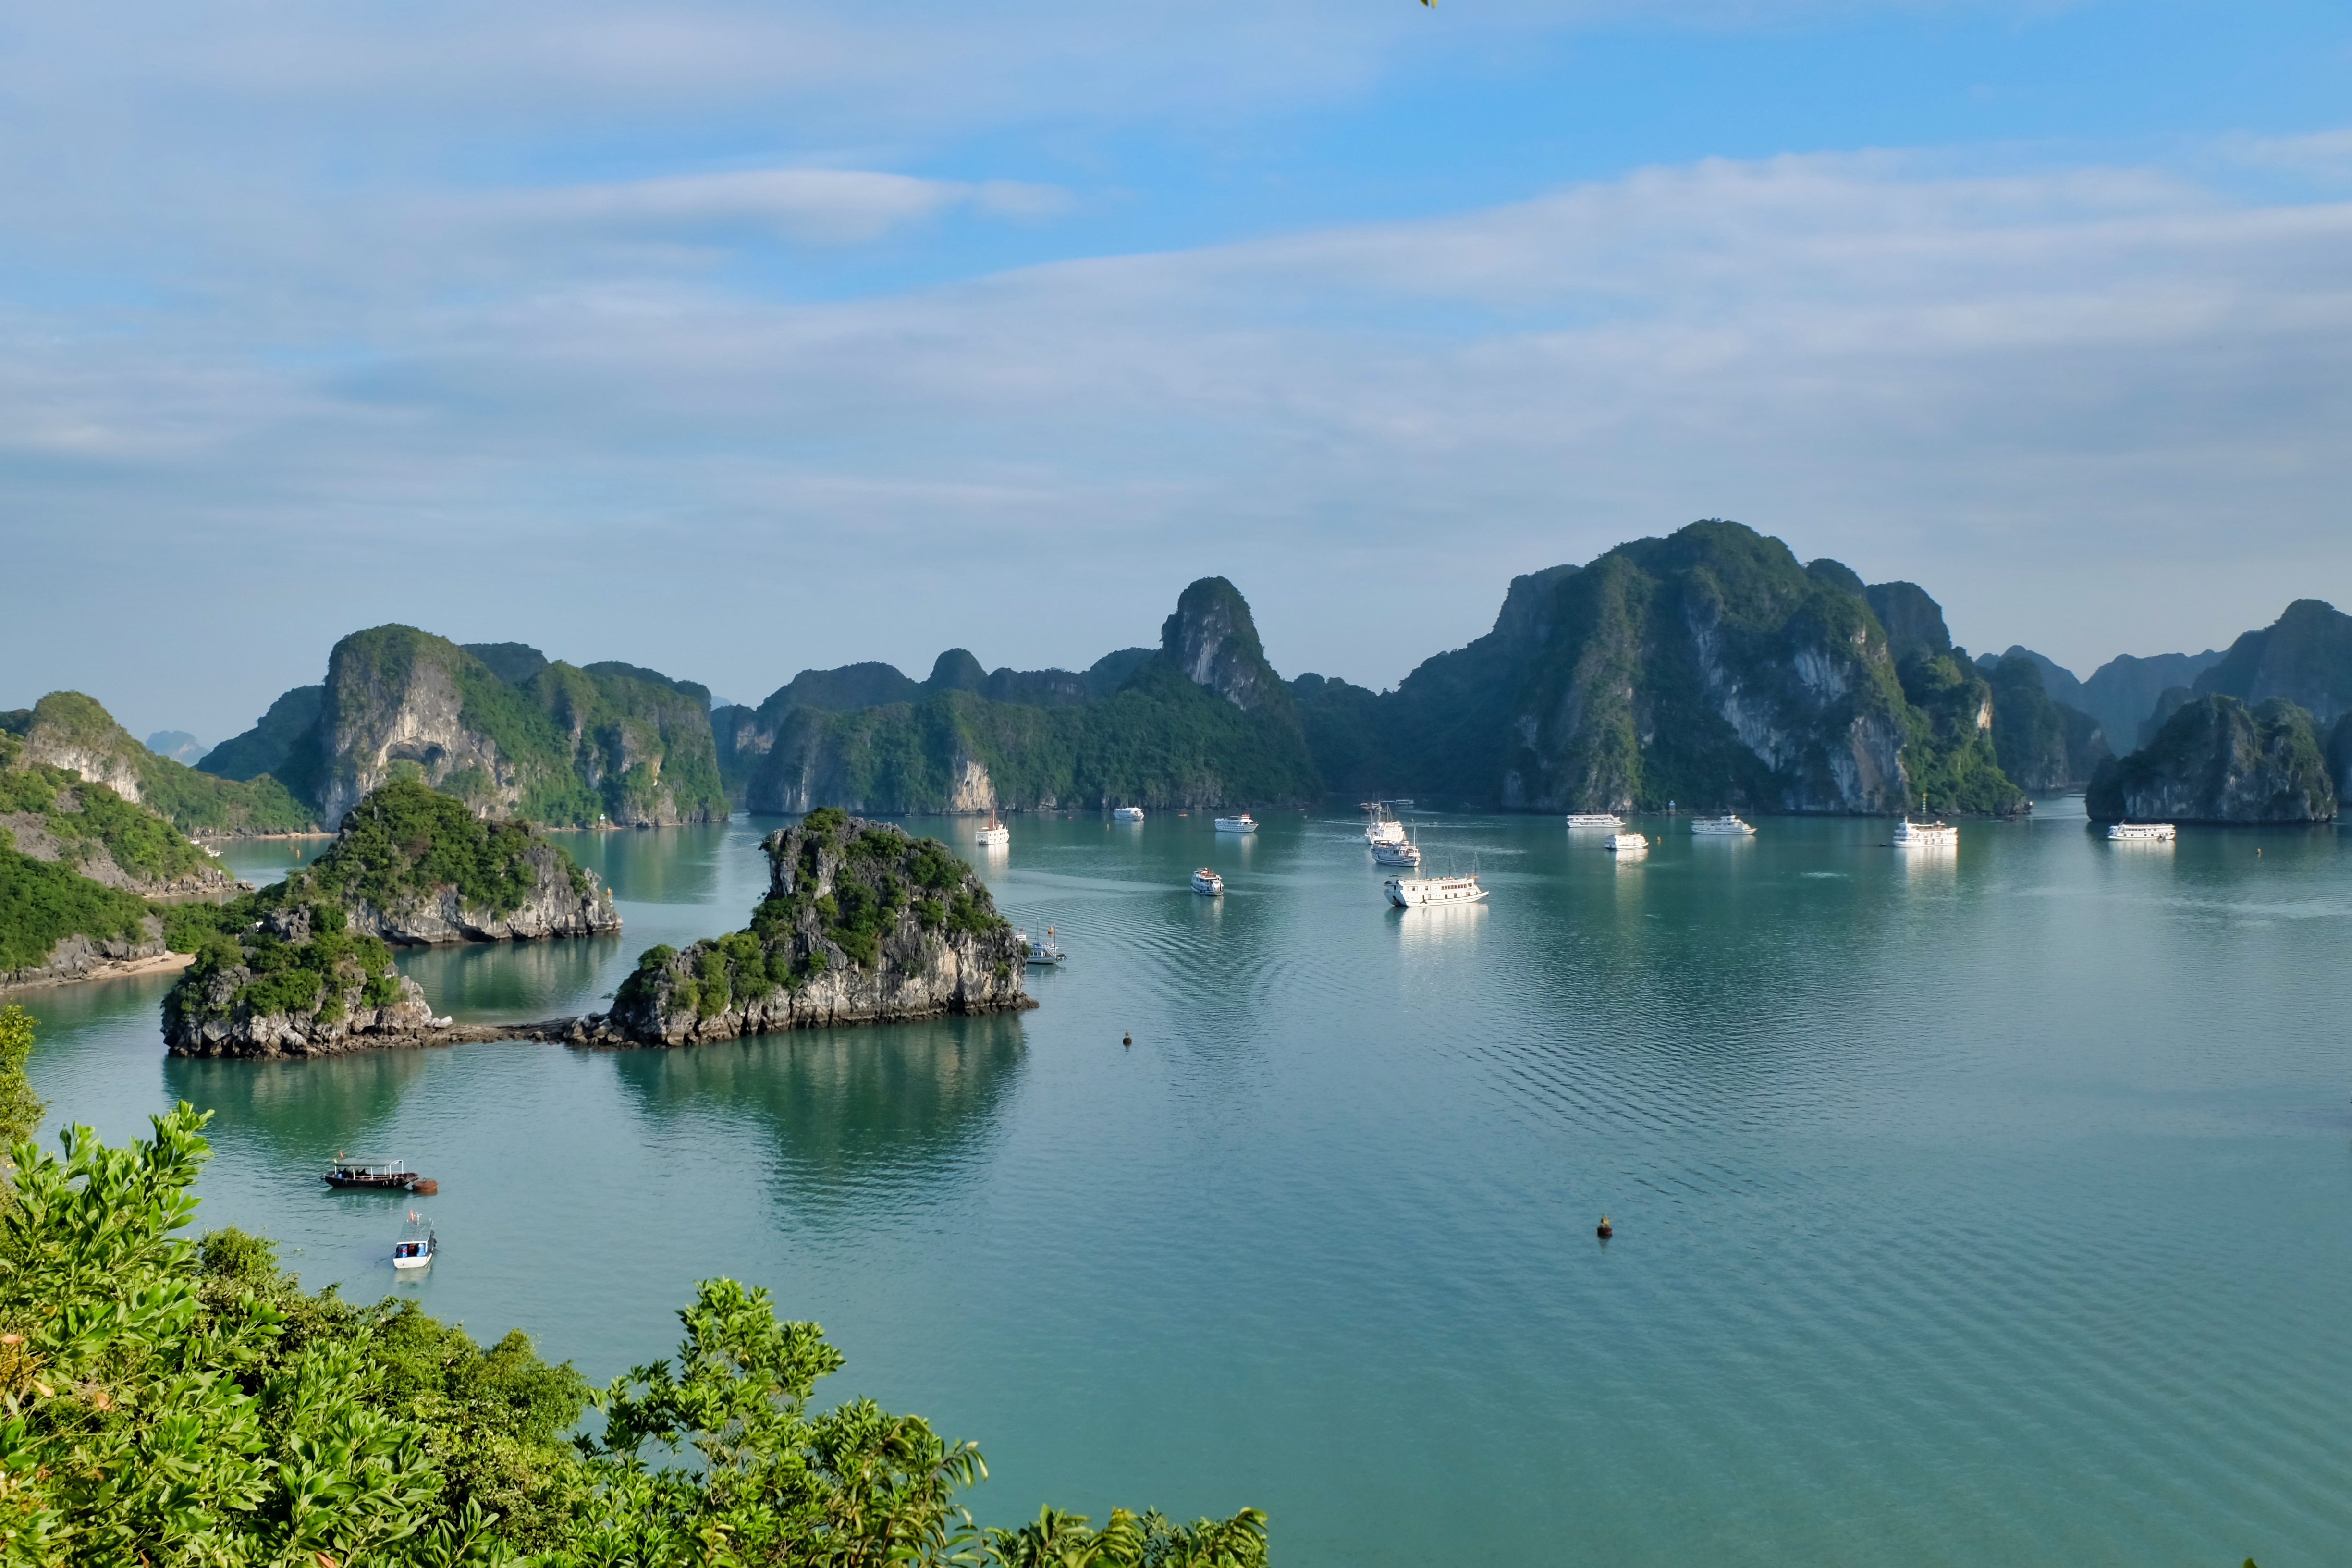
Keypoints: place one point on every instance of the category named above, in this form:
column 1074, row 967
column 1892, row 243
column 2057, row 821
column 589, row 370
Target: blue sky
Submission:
column 733, row 339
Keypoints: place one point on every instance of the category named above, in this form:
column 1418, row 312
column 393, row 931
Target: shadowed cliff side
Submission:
column 2217, row 761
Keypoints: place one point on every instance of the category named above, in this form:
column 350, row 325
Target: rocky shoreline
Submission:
column 78, row 958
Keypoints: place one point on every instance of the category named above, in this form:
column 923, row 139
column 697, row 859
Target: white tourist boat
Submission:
column 2143, row 832
column 1044, row 949
column 1604, row 819
column 995, row 836
column 1726, row 823
column 1628, row 843
column 415, row 1249
column 1127, row 814
column 1403, row 852
column 1938, row 835
column 1379, row 826
column 1207, row 881
column 1245, row 823
column 1413, row 892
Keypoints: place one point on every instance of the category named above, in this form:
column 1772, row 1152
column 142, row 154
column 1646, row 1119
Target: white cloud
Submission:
column 2021, row 391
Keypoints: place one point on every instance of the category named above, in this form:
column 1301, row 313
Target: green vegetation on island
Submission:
column 43, row 903
column 170, row 1401
column 295, row 961
column 91, row 826
column 404, row 842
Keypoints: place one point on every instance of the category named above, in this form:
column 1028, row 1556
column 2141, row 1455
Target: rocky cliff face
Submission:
column 2217, row 760
column 213, row 1018
column 79, row 957
column 1709, row 668
column 497, row 726
column 862, row 924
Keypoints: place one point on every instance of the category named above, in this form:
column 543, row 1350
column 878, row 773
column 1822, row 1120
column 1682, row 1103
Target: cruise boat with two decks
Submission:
column 1628, row 843
column 1127, row 814
column 1207, row 882
column 1414, row 892
column 2143, row 832
column 1245, row 823
column 1602, row 821
column 1726, row 824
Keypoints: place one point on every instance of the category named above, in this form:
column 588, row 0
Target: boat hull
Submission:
column 1419, row 892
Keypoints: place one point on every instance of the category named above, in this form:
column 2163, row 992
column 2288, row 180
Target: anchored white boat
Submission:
column 995, row 836
column 1939, row 835
column 1245, row 823
column 1043, row 950
column 1127, row 814
column 1404, row 852
column 1379, row 826
column 1726, row 823
column 415, row 1249
column 1608, row 819
column 1410, row 892
column 1207, row 881
column 2143, row 831
column 1628, row 843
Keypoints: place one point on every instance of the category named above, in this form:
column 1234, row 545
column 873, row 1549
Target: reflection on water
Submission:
column 903, row 1106
column 301, row 1111
column 1950, row 1194
column 666, row 865
column 516, row 982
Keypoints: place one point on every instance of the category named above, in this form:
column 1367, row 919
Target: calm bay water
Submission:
column 1986, row 1209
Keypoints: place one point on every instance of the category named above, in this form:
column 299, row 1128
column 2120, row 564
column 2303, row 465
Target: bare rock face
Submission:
column 862, row 924
column 207, row 1016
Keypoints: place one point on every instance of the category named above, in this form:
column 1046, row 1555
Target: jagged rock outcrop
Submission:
column 2217, row 761
column 80, row 957
column 862, row 924
column 416, row 867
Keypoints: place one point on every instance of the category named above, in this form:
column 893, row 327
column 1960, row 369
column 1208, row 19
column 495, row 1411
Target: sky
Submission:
column 736, row 339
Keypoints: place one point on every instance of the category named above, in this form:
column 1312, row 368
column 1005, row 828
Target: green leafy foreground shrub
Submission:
column 163, row 1402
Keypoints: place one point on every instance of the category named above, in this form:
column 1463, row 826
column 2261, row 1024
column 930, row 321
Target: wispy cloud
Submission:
column 819, row 207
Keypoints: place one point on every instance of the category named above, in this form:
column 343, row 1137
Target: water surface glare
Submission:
column 1977, row 1208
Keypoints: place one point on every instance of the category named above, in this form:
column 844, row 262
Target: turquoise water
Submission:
column 1984, row 1209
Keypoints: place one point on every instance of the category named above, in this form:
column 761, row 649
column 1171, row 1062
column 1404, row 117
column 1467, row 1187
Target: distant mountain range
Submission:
column 1709, row 668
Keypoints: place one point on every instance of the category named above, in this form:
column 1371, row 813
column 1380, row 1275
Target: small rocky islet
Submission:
column 863, row 923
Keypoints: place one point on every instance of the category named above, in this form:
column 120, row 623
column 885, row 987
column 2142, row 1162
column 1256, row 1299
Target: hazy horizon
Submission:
column 733, row 339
